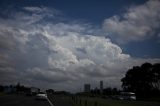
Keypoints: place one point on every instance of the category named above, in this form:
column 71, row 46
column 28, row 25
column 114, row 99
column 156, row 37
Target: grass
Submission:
column 1, row 93
column 81, row 101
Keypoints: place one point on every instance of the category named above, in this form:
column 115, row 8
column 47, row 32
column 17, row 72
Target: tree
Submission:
column 156, row 73
column 143, row 80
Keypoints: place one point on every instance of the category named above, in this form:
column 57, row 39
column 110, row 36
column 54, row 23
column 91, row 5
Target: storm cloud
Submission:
column 38, row 48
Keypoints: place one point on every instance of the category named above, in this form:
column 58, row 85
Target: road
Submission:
column 22, row 100
column 60, row 100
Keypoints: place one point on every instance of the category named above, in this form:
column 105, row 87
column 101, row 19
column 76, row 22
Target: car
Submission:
column 127, row 96
column 41, row 96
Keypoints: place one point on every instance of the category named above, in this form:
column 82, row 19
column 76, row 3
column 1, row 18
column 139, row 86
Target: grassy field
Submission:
column 79, row 101
column 1, row 93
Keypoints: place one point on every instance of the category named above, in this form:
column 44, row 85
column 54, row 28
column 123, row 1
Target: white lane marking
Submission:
column 50, row 102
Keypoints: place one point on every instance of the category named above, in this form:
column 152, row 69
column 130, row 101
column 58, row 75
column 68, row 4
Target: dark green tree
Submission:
column 143, row 80
column 156, row 73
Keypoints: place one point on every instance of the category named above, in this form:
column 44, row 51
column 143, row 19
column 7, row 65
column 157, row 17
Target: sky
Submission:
column 63, row 44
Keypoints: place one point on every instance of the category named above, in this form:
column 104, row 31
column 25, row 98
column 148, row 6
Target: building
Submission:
column 101, row 86
column 10, row 89
column 87, row 87
column 50, row 91
column 34, row 90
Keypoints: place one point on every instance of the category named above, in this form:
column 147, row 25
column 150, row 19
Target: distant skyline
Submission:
column 63, row 44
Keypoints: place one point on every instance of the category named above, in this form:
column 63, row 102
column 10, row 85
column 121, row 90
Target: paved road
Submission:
column 60, row 100
column 21, row 100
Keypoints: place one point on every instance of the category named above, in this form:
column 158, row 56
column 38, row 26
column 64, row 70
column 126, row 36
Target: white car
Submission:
column 127, row 96
column 41, row 96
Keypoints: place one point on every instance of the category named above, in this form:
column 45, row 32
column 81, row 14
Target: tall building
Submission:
column 87, row 87
column 101, row 86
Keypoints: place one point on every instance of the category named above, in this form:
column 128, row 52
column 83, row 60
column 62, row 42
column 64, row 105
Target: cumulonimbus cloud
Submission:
column 56, row 54
column 138, row 23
